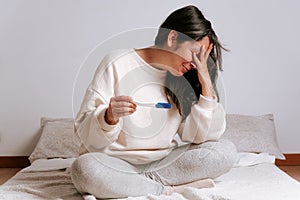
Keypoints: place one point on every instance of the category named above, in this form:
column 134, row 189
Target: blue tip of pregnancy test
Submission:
column 163, row 105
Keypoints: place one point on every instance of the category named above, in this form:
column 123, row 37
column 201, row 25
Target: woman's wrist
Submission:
column 207, row 91
column 108, row 120
column 206, row 85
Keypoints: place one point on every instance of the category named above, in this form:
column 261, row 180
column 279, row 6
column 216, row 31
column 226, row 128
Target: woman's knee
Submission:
column 225, row 154
column 85, row 173
column 218, row 157
column 98, row 174
column 229, row 151
column 80, row 174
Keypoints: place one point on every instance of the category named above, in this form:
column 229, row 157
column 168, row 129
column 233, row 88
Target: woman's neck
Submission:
column 155, row 56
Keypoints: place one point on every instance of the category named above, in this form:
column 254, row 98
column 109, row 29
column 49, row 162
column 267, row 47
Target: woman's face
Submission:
column 182, row 56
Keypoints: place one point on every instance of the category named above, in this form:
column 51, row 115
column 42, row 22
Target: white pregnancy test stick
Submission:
column 151, row 104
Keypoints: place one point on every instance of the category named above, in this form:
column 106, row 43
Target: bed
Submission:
column 254, row 176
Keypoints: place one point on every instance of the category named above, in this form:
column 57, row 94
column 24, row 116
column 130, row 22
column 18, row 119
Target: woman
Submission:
column 133, row 149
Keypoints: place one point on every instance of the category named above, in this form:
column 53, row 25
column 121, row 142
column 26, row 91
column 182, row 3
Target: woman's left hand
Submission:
column 200, row 63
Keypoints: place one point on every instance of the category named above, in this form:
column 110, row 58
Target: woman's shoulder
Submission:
column 117, row 54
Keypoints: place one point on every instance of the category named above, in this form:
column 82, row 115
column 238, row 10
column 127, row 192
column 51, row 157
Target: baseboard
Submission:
column 22, row 161
column 14, row 161
column 291, row 160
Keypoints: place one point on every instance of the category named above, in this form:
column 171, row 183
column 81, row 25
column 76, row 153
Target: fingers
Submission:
column 208, row 51
column 121, row 112
column 205, row 53
column 122, row 98
column 120, row 106
column 123, row 108
column 202, row 53
column 202, row 56
column 196, row 60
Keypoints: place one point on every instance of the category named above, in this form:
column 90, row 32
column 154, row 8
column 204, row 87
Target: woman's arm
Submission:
column 207, row 118
column 91, row 126
column 203, row 75
column 205, row 122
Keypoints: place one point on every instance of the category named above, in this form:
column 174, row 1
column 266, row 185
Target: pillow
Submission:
column 44, row 120
column 254, row 134
column 57, row 140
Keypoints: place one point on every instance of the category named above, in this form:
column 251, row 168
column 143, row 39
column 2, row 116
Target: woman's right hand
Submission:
column 200, row 63
column 119, row 106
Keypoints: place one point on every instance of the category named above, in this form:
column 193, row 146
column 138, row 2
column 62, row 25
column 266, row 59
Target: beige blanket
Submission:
column 254, row 177
column 57, row 184
column 40, row 185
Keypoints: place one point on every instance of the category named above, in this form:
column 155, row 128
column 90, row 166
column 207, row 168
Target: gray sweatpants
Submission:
column 109, row 177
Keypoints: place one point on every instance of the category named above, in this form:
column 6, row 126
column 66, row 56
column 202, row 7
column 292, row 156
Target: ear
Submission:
column 172, row 39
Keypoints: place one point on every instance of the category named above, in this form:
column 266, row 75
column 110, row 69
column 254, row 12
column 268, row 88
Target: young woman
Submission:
column 130, row 149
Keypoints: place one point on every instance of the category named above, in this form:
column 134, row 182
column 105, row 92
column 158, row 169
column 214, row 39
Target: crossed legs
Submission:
column 109, row 177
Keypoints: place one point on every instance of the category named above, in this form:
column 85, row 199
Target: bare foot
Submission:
column 203, row 183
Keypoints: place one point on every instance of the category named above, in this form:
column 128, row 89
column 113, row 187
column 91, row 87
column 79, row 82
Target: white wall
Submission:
column 43, row 43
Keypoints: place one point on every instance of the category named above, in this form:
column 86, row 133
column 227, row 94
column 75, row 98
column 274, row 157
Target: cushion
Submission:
column 254, row 134
column 44, row 120
column 57, row 140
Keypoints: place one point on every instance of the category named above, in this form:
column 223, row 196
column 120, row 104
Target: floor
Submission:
column 6, row 173
column 293, row 171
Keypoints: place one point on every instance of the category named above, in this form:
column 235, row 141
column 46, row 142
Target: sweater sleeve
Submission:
column 96, row 134
column 205, row 122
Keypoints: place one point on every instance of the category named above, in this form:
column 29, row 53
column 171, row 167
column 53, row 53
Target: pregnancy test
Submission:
column 156, row 105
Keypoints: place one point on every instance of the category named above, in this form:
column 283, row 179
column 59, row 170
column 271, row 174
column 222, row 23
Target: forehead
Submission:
column 196, row 45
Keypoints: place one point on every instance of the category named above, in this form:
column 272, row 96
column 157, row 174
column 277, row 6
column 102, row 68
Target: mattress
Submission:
column 255, row 176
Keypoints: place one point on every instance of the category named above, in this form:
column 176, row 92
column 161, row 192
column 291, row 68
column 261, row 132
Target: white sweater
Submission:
column 148, row 134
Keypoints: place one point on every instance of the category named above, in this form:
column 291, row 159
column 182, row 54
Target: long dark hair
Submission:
column 190, row 24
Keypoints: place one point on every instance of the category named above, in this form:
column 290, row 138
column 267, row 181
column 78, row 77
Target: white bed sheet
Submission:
column 258, row 182
column 254, row 177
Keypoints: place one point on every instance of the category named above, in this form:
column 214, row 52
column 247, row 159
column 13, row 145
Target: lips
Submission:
column 184, row 69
